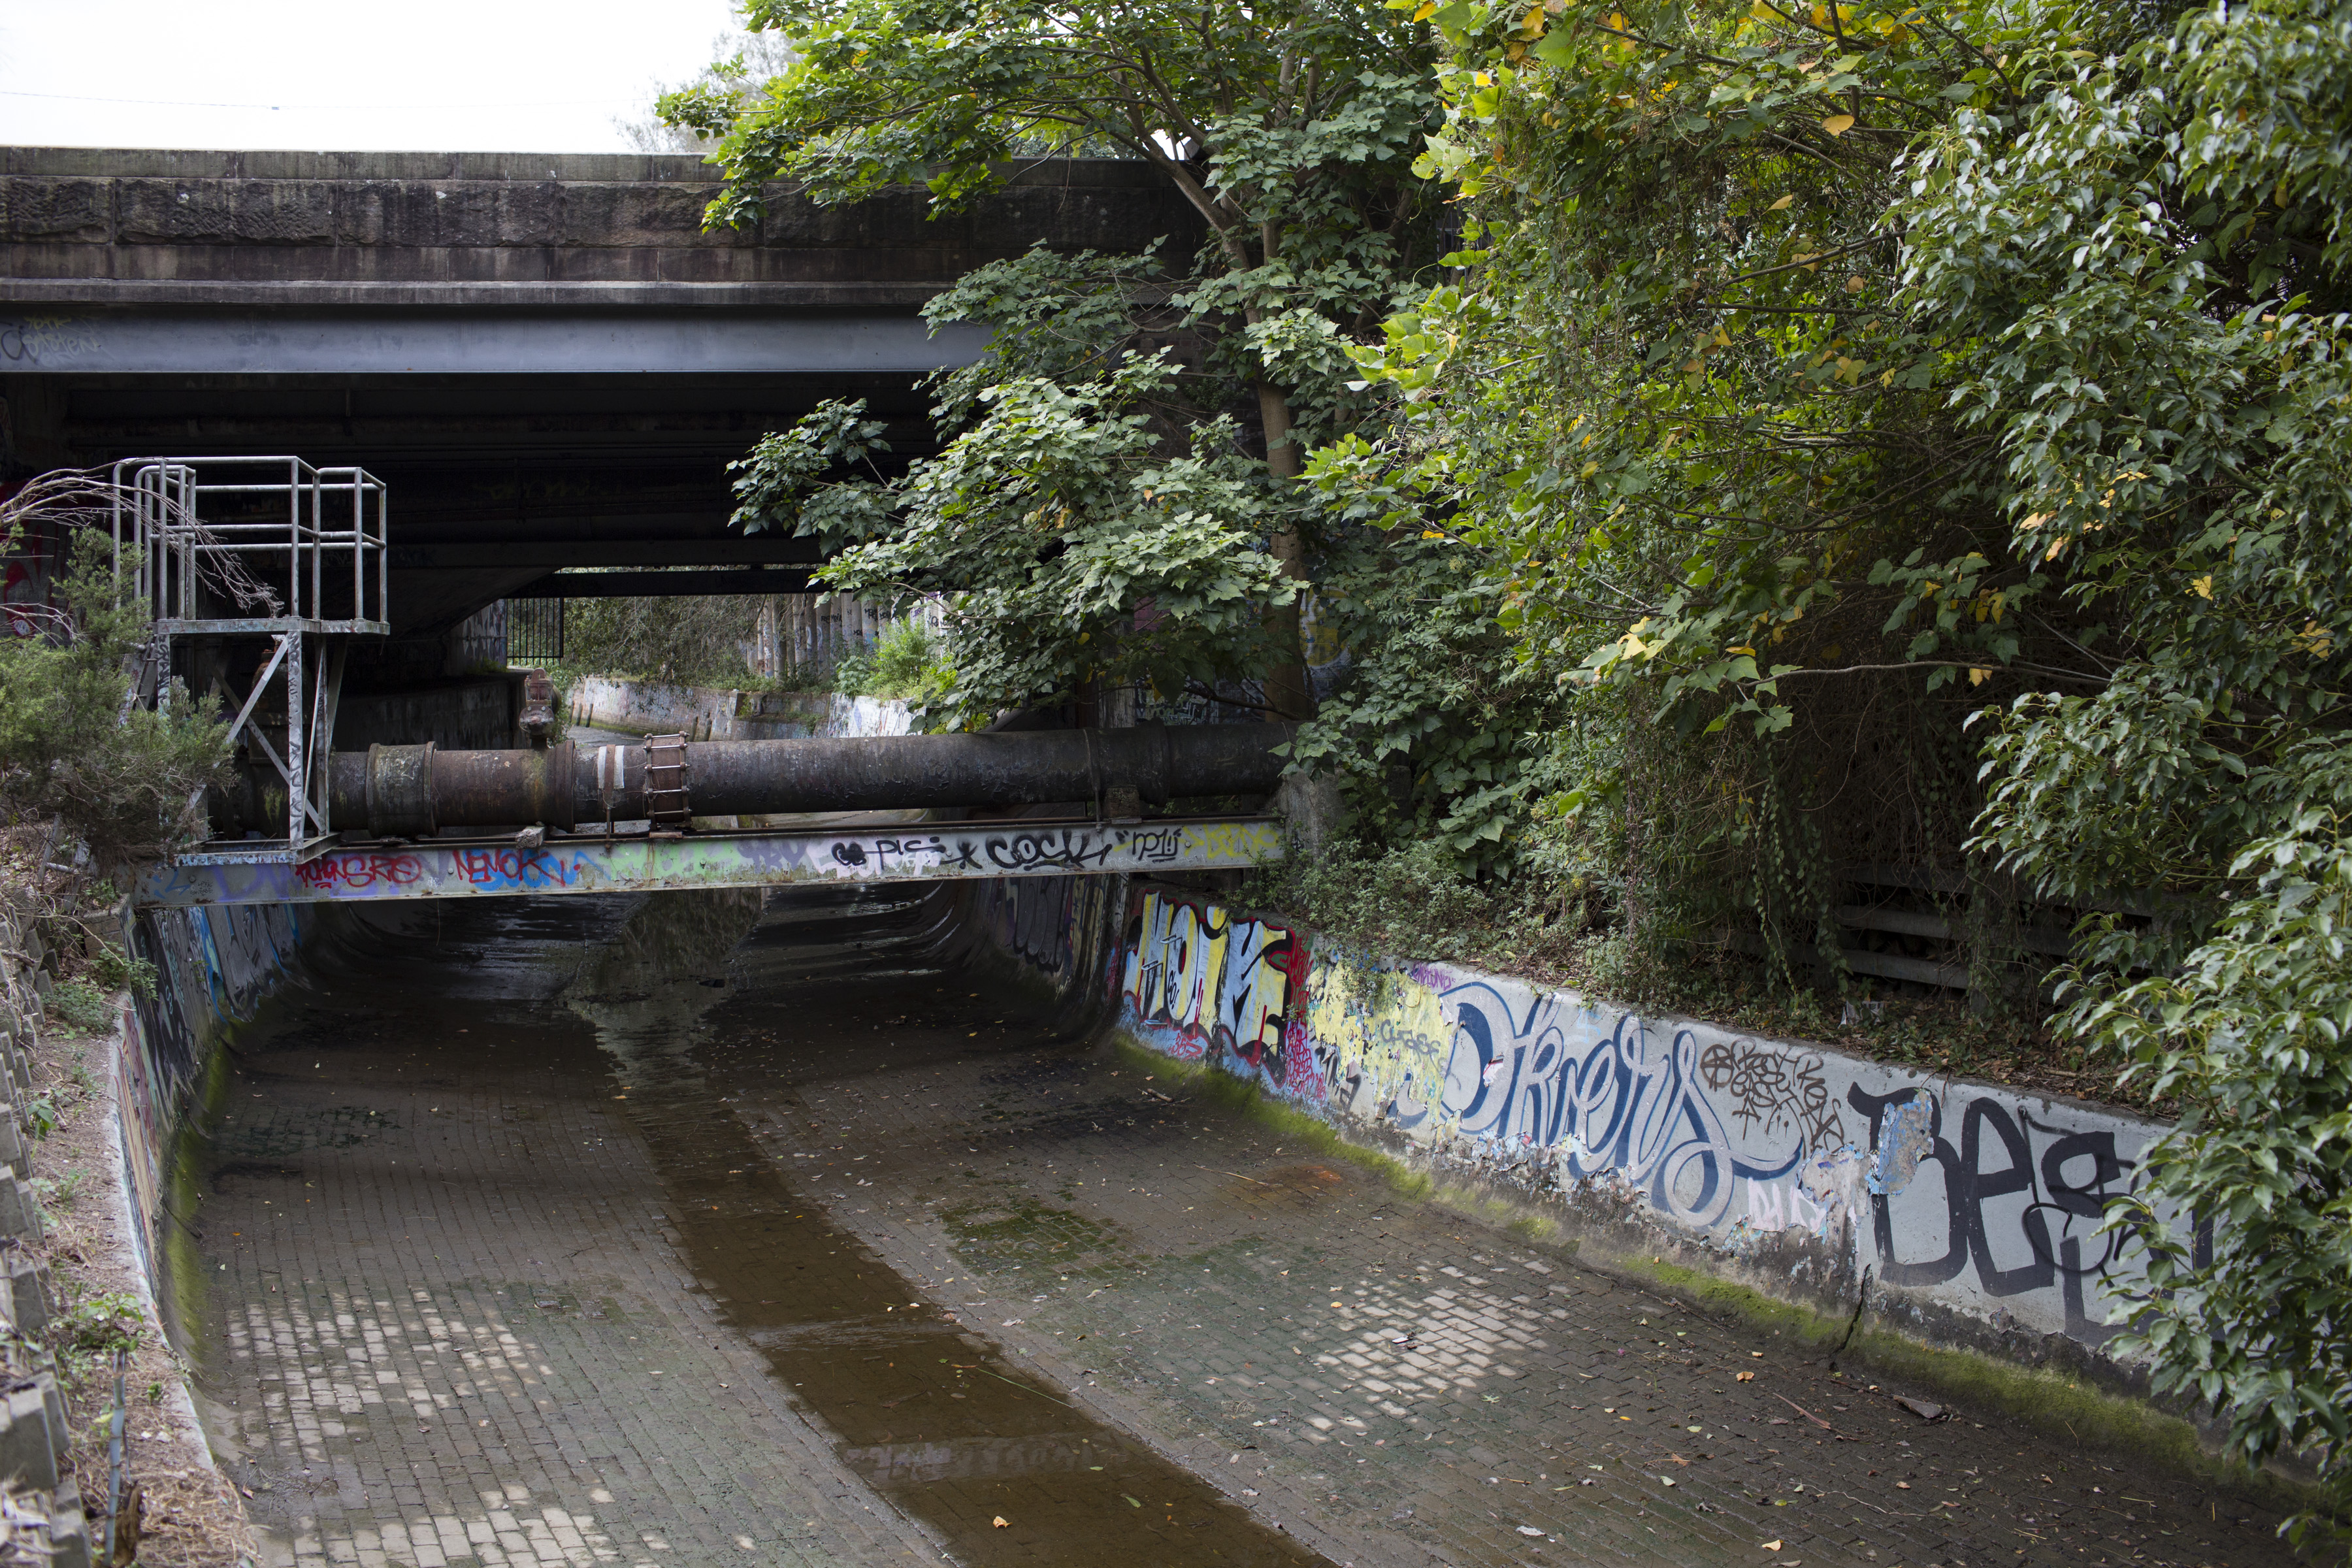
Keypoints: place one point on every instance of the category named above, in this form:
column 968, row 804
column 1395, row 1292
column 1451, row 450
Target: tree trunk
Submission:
column 1288, row 690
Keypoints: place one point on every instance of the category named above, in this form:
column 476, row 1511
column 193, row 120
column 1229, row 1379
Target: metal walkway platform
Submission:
column 907, row 852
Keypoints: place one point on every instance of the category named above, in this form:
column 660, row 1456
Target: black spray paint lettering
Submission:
column 1066, row 849
column 2069, row 1187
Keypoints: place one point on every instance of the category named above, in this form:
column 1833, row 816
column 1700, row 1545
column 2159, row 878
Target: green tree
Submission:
column 1956, row 392
column 128, row 780
column 691, row 640
column 2151, row 270
column 1675, row 410
column 1290, row 130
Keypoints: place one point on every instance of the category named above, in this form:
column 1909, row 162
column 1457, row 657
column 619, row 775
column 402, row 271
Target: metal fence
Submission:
column 809, row 634
column 534, row 631
column 816, row 634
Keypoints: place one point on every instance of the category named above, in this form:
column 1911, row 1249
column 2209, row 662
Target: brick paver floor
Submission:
column 447, row 1321
column 544, row 1238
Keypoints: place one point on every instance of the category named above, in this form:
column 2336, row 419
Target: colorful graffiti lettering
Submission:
column 488, row 869
column 1204, row 982
column 499, row 868
column 1735, row 1139
column 358, row 871
column 1622, row 1104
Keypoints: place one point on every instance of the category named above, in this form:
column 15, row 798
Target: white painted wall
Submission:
column 708, row 713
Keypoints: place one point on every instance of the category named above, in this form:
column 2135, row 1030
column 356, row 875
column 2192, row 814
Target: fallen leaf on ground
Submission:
column 1771, row 1546
column 1921, row 1408
column 1002, row 1523
column 1746, row 1378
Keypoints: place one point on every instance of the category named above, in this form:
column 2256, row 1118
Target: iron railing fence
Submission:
column 535, row 631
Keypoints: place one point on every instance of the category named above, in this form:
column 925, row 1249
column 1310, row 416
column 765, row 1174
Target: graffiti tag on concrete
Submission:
column 1201, row 983
column 590, row 864
column 1983, row 1198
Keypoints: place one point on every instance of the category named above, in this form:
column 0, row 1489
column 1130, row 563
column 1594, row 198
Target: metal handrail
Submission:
column 175, row 551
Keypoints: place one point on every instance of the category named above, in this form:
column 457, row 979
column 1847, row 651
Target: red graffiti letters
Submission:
column 357, row 872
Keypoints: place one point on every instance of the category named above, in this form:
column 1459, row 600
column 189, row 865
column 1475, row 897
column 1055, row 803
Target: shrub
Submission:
column 910, row 665
column 125, row 779
column 80, row 1005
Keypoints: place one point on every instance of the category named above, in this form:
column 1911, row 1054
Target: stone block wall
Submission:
column 42, row 1501
column 215, row 223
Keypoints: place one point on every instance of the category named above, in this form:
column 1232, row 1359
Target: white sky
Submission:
column 477, row 75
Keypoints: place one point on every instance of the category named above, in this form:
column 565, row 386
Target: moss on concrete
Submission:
column 2051, row 1403
column 182, row 1288
column 1297, row 1127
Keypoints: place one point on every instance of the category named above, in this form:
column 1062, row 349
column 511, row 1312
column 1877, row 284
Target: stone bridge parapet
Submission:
column 80, row 226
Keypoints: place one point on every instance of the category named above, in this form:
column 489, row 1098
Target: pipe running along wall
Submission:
column 413, row 791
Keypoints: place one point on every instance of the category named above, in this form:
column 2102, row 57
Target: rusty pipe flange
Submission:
column 400, row 791
column 559, row 791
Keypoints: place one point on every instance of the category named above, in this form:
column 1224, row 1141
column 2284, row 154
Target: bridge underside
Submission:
column 547, row 359
column 497, row 479
column 904, row 852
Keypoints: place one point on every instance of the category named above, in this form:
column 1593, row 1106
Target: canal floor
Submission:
column 676, row 1231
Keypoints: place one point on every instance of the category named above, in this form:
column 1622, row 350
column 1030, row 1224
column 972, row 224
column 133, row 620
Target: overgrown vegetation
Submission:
column 1117, row 503
column 709, row 641
column 1952, row 470
column 1874, row 432
column 688, row 641
column 910, row 664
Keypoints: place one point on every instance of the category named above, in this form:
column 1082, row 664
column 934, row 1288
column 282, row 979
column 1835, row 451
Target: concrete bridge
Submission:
column 547, row 357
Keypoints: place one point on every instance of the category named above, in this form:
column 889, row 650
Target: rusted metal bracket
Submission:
column 666, row 805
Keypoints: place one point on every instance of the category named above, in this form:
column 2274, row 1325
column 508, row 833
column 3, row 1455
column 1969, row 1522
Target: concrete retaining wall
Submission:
column 1053, row 935
column 708, row 713
column 213, row 968
column 1968, row 1212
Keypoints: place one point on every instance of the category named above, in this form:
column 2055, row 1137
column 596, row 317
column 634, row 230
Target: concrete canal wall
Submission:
column 710, row 713
column 1961, row 1213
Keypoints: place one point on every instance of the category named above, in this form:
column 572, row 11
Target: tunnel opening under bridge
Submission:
column 560, row 1184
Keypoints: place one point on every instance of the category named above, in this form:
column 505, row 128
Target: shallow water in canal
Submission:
column 492, row 1266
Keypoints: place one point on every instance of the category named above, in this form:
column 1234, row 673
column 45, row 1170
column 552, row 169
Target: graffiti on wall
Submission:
column 1035, row 921
column 1201, row 983
column 2015, row 1207
column 212, row 967
column 1986, row 1198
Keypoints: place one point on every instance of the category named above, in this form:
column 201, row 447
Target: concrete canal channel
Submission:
column 698, row 1228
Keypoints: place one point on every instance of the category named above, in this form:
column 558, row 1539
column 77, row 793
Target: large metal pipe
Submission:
column 415, row 791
